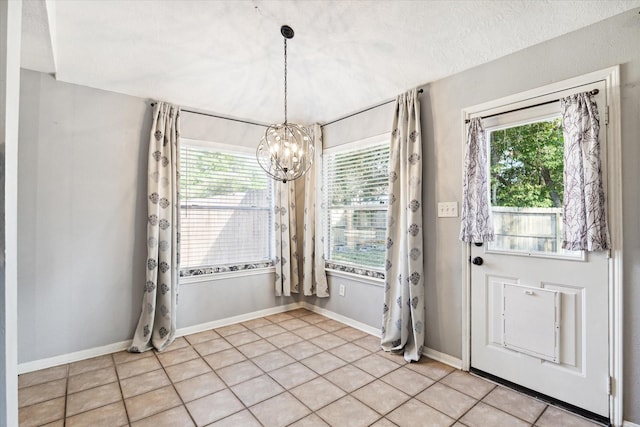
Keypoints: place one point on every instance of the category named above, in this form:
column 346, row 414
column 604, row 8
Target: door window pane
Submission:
column 527, row 187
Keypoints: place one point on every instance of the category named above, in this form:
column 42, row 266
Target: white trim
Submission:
column 367, row 280
column 369, row 142
column 614, row 198
column 49, row 362
column 197, row 278
column 465, row 300
column 11, row 29
column 540, row 94
column 629, row 424
column 62, row 359
column 343, row 319
column 188, row 330
column 447, row 359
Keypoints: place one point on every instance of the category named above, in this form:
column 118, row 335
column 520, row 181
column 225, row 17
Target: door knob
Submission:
column 477, row 261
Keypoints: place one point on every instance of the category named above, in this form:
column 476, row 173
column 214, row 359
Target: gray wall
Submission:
column 362, row 301
column 80, row 241
column 82, row 210
column 611, row 42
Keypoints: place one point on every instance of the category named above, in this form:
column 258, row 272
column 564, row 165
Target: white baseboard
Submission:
column 62, row 359
column 49, row 362
column 442, row 357
column 629, row 424
column 123, row 345
column 236, row 319
column 343, row 319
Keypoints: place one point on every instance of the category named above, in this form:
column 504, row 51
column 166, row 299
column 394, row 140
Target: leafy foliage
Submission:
column 205, row 174
column 527, row 165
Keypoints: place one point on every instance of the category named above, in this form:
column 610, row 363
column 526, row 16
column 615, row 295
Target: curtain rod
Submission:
column 364, row 111
column 591, row 92
column 263, row 125
column 220, row 117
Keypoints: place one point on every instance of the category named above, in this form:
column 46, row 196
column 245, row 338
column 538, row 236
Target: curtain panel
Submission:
column 157, row 324
column 403, row 310
column 477, row 224
column 286, row 259
column 584, row 207
column 314, row 279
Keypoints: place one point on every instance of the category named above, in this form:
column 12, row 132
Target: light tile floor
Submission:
column 290, row 369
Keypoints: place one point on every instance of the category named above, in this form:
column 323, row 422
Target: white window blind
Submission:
column 356, row 183
column 226, row 210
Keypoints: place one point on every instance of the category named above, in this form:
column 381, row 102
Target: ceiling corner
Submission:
column 38, row 36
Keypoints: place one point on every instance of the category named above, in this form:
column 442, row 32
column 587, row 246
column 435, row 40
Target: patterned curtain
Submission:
column 286, row 260
column 584, row 207
column 477, row 224
column 157, row 324
column 403, row 312
column 314, row 279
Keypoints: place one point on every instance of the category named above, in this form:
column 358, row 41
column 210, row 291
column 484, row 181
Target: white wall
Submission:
column 82, row 210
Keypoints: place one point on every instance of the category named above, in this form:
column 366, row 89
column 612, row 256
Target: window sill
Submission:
column 373, row 281
column 185, row 280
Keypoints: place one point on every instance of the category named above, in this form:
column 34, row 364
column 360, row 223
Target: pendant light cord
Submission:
column 285, row 80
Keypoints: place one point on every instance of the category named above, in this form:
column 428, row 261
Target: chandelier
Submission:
column 286, row 149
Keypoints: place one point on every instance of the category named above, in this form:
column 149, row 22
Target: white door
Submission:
column 539, row 314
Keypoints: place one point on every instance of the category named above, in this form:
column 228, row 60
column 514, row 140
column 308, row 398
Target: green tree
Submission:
column 206, row 174
column 527, row 165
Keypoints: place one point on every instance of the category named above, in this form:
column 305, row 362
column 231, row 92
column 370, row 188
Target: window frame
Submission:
column 225, row 271
column 510, row 119
column 343, row 268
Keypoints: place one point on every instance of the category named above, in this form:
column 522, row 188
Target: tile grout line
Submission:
column 174, row 386
column 115, row 368
column 325, row 332
column 540, row 416
column 66, row 396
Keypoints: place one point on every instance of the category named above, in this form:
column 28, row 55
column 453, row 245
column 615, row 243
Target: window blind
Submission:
column 356, row 196
column 226, row 209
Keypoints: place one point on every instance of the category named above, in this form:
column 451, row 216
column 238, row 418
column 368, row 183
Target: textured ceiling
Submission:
column 226, row 57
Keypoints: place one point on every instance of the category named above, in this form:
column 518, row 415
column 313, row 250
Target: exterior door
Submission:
column 539, row 314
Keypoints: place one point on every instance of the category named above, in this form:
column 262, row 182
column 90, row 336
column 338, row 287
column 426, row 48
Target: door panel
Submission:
column 528, row 253
column 580, row 378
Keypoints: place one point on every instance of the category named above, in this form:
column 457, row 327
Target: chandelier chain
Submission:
column 286, row 149
column 285, row 80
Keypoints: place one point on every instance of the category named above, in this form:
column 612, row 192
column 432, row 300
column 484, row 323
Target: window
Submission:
column 356, row 200
column 526, row 181
column 226, row 207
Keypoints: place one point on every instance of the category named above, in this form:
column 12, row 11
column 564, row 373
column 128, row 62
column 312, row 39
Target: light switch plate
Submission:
column 447, row 209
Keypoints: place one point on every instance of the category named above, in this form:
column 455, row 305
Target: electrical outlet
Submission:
column 341, row 291
column 447, row 209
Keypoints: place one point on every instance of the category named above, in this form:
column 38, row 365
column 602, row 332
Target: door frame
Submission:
column 611, row 115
